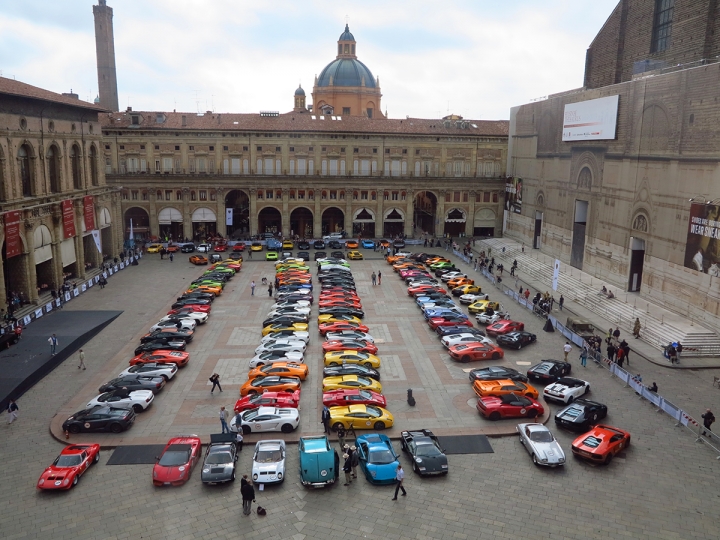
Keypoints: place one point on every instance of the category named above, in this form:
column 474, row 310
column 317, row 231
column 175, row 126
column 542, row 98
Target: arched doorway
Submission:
column 140, row 220
column 455, row 219
column 269, row 220
column 364, row 223
column 171, row 224
column 239, row 202
column 301, row 222
column 204, row 223
column 424, row 209
column 393, row 222
column 484, row 223
column 15, row 271
column 104, row 223
column 333, row 220
column 42, row 240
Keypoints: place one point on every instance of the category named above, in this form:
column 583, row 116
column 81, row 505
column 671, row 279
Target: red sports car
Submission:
column 340, row 326
column 340, row 302
column 177, row 460
column 431, row 290
column 448, row 320
column 504, row 327
column 204, row 308
column 350, row 345
column 69, row 466
column 509, row 406
column 340, row 398
column 180, row 358
column 422, row 288
column 338, row 294
column 268, row 399
column 341, row 297
column 601, row 444
column 240, row 246
column 413, row 272
column 473, row 350
column 221, row 247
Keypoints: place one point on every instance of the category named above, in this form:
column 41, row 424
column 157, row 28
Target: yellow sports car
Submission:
column 328, row 317
column 361, row 417
column 354, row 255
column 482, row 305
column 288, row 244
column 504, row 386
column 351, row 382
column 153, row 248
column 279, row 327
column 335, row 358
column 256, row 246
column 466, row 289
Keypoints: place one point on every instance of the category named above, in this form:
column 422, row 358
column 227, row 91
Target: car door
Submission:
column 92, row 422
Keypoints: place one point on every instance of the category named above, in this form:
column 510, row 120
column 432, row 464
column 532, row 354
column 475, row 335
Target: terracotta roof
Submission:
column 304, row 121
column 21, row 89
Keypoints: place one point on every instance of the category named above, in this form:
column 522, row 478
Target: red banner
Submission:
column 89, row 212
column 13, row 245
column 68, row 213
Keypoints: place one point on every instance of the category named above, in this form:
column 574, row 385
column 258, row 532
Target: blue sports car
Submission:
column 273, row 245
column 378, row 458
column 441, row 312
column 368, row 244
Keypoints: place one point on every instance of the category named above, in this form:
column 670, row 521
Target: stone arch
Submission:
column 391, row 214
column 585, row 178
column 654, row 128
column 301, row 221
column 104, row 218
column 640, row 222
column 269, row 219
column 364, row 214
column 540, row 199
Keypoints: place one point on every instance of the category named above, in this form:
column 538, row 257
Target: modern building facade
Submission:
column 59, row 217
column 631, row 206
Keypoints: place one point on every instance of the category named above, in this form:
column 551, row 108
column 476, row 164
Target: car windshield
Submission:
column 364, row 394
column 541, row 436
column 250, row 415
column 427, row 450
column 68, row 461
column 381, row 457
column 268, row 456
column 173, row 458
column 218, row 458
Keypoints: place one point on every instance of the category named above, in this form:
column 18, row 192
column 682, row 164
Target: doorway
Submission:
column 637, row 258
column 577, row 254
column 537, row 241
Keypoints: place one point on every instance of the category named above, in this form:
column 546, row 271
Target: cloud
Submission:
column 474, row 58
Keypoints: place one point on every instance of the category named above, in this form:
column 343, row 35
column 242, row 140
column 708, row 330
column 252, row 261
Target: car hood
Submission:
column 268, row 471
column 55, row 476
column 382, row 473
column 212, row 473
column 552, row 452
column 432, row 463
column 170, row 474
column 318, row 467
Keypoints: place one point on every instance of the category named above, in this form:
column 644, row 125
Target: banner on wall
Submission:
column 68, row 215
column 702, row 247
column 513, row 194
column 591, row 120
column 13, row 245
column 96, row 237
column 89, row 212
column 228, row 216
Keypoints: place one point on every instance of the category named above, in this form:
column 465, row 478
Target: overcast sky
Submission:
column 476, row 58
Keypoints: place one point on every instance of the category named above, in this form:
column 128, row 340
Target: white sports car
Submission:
column 566, row 390
column 282, row 345
column 541, row 445
column 185, row 324
column 298, row 335
column 451, row 275
column 437, row 305
column 484, row 318
column 352, row 335
column 269, row 462
column 289, row 310
column 270, row 357
column 296, row 303
column 266, row 419
column 203, row 248
column 198, row 316
column 456, row 339
column 137, row 400
column 151, row 369
column 470, row 298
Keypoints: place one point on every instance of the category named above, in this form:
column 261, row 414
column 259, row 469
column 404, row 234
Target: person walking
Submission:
column 102, row 282
column 399, row 478
column 526, row 294
column 636, row 328
column 252, row 288
column 566, row 349
column 248, row 496
column 12, row 410
column 379, row 278
column 171, row 256
column 224, row 415
column 611, row 352
column 347, row 469
column 325, row 418
column 354, row 460
column 678, row 350
column 608, row 336
column 373, row 278
column 341, row 436
column 270, row 290
column 215, row 380
column 616, row 334
column 583, row 357
column 81, row 357
column 561, row 302
column 620, row 356
column 626, row 350
column 708, row 419
column 672, row 354
column 53, row 341
column 249, row 253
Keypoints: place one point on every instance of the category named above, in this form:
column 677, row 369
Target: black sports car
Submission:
column 163, row 334
column 425, row 452
column 319, row 244
column 319, row 255
column 134, row 382
column 100, row 418
column 351, row 369
column 496, row 373
column 397, row 244
column 337, row 254
column 515, row 340
column 235, row 256
column 450, row 330
column 220, row 459
column 549, row 371
column 190, row 302
column 359, row 313
column 286, row 318
column 187, row 248
column 303, row 244
column 581, row 415
column 164, row 344
column 197, row 296
column 304, row 255
column 335, row 244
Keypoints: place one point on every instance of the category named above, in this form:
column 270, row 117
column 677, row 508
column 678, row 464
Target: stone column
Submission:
column 220, row 211
column 78, row 239
column 153, row 213
column 348, row 225
column 285, row 213
column 30, row 271
column 187, row 223
column 470, row 223
column 409, row 218
column 317, row 217
column 252, row 215
column 379, row 223
column 440, row 215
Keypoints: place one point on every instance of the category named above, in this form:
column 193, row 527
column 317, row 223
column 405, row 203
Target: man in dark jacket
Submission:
column 708, row 419
column 248, row 497
column 347, row 468
column 326, row 419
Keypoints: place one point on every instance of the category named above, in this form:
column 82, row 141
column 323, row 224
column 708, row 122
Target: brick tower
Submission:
column 105, row 49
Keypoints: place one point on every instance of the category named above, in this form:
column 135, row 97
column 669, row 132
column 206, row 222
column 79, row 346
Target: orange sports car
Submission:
column 180, row 358
column 474, row 350
column 352, row 244
column 504, row 386
column 459, row 282
column 434, row 260
column 217, row 291
column 339, row 326
column 349, row 345
column 281, row 369
column 198, row 259
column 601, row 444
column 270, row 383
column 173, row 248
column 392, row 259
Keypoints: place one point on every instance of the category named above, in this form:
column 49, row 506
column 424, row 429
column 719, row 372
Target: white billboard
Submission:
column 592, row 120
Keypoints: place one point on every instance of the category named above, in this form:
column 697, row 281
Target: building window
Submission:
column 134, row 194
column 259, row 194
column 324, row 167
column 167, row 164
column 144, row 195
column 157, row 147
column 178, row 195
column 213, row 196
column 311, row 195
column 394, row 195
column 193, row 196
column 94, row 167
column 346, row 111
column 75, row 166
column 662, row 28
column 54, row 169
column 364, row 195
column 212, row 148
column 495, row 197
column 191, row 165
column 333, row 195
column 203, row 195
column 268, row 194
column 486, row 197
column 177, row 148
column 373, row 196
column 157, row 165
column 369, row 112
column 301, row 166
column 125, row 195
column 465, row 196
column 177, row 165
column 168, row 194
column 292, row 194
column 135, row 120
column 301, row 195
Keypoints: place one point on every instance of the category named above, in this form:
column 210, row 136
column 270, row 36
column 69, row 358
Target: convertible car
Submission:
column 69, row 466
column 566, row 390
column 177, row 460
column 425, row 452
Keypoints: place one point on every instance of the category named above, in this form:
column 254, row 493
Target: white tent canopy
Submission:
column 169, row 215
column 203, row 215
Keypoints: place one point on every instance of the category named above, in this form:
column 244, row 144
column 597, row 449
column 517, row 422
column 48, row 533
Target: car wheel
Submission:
column 587, row 388
column 379, row 425
column 534, row 458
column 246, row 430
column 74, row 429
column 259, row 364
column 286, row 428
column 337, row 426
column 465, row 358
column 608, row 459
column 368, row 365
column 570, row 400
column 116, row 428
column 75, row 480
column 252, row 392
column 415, row 467
column 333, row 364
column 495, row 355
column 97, row 458
column 137, row 408
column 167, row 379
column 232, row 476
column 495, row 416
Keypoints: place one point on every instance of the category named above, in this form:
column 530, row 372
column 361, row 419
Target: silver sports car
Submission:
column 541, row 445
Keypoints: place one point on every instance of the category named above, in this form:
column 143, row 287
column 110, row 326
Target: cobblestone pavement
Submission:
column 664, row 485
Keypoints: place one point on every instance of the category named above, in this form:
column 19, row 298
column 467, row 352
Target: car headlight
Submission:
column 418, row 460
column 279, row 475
column 41, row 482
column 66, row 481
column 544, row 460
column 373, row 474
column 444, row 466
column 206, row 470
column 323, row 473
column 255, row 476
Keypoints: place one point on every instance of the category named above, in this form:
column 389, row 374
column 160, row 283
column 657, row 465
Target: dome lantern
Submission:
column 299, row 99
column 346, row 44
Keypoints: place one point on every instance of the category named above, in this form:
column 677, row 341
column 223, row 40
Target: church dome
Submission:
column 346, row 35
column 346, row 72
column 299, row 91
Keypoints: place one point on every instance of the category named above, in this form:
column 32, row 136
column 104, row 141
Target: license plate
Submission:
column 166, row 484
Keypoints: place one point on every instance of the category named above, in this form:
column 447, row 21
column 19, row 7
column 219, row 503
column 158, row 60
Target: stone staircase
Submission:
column 659, row 326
